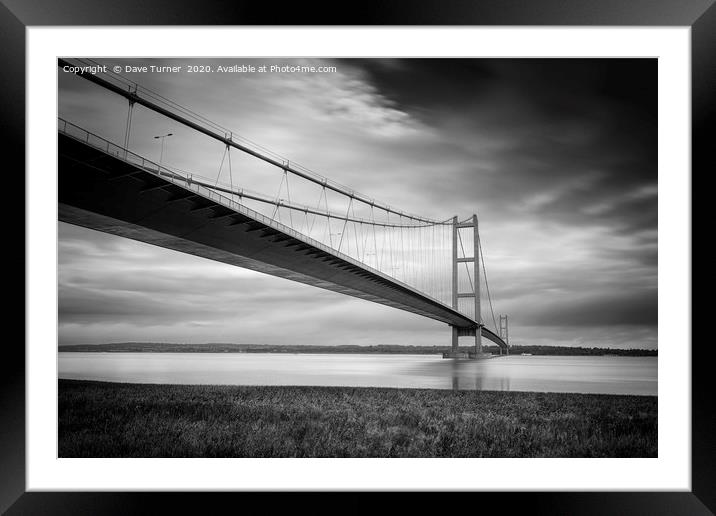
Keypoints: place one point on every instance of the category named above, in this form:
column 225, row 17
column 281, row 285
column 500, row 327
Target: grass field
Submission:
column 98, row 419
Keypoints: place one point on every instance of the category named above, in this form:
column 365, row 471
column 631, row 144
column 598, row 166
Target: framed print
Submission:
column 568, row 112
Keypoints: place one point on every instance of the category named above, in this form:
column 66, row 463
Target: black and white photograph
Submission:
column 357, row 257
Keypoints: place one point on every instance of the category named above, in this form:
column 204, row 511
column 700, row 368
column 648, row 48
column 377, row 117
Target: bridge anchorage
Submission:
column 350, row 243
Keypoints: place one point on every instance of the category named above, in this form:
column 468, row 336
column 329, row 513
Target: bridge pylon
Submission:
column 475, row 281
column 504, row 333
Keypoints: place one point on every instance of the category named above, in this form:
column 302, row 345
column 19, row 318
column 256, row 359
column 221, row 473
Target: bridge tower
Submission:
column 475, row 294
column 504, row 333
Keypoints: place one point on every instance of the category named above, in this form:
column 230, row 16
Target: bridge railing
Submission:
column 185, row 181
column 100, row 143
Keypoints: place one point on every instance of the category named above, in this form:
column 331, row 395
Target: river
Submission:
column 598, row 374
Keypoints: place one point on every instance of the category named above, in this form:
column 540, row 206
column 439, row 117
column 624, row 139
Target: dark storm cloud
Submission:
column 608, row 310
column 549, row 123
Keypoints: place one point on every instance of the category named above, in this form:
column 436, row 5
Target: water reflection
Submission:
column 609, row 375
column 455, row 370
column 600, row 374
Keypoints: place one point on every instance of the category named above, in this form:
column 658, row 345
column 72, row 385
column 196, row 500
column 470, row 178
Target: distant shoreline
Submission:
column 156, row 347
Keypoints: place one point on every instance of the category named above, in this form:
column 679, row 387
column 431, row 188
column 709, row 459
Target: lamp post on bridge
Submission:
column 161, row 152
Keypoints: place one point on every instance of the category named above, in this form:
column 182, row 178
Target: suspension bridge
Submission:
column 311, row 229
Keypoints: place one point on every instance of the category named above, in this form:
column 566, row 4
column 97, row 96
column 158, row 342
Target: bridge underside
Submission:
column 104, row 192
column 488, row 334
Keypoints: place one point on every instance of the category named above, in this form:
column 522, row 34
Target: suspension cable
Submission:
column 155, row 102
column 288, row 195
column 484, row 272
column 218, row 175
column 345, row 222
column 231, row 178
column 278, row 196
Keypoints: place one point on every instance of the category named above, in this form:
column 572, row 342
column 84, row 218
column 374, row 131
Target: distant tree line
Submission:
column 572, row 351
column 160, row 347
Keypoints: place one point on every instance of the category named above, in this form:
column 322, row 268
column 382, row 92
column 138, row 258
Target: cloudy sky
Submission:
column 557, row 157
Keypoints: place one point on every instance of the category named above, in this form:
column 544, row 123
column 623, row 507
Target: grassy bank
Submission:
column 98, row 419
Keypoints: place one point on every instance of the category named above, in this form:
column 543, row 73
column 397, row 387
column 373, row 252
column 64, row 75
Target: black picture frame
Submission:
column 16, row 15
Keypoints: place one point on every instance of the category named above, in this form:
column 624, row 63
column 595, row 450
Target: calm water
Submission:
column 607, row 375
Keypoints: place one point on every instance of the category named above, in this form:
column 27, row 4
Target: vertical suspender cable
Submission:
column 375, row 240
column 128, row 127
column 355, row 232
column 231, row 179
column 328, row 219
column 345, row 223
column 288, row 195
column 315, row 215
column 487, row 286
column 223, row 157
column 278, row 197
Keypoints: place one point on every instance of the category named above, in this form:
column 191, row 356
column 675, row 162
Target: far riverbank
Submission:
column 163, row 347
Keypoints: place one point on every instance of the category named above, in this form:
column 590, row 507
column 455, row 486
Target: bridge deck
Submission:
column 106, row 188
